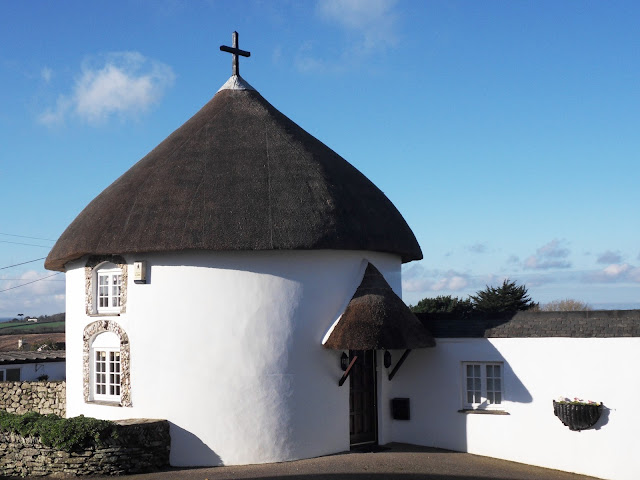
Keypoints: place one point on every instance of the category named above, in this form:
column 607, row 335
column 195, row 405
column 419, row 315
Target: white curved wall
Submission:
column 227, row 347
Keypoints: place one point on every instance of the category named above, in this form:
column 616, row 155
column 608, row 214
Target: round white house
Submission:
column 222, row 280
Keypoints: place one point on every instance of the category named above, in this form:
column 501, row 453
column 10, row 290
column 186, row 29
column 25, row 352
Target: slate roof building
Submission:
column 202, row 283
column 21, row 366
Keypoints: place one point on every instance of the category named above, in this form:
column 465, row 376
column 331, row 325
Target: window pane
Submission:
column 498, row 397
column 476, row 370
column 489, row 384
column 469, row 370
column 1, row 375
column 116, row 289
column 490, row 397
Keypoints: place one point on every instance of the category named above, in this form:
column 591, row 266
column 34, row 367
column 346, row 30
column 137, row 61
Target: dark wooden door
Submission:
column 362, row 398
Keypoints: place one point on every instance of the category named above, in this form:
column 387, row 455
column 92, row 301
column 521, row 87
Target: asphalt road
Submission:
column 394, row 461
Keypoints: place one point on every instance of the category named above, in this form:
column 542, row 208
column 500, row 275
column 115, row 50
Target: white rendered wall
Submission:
column 536, row 372
column 227, row 347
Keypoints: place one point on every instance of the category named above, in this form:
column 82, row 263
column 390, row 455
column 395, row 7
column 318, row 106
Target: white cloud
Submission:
column 551, row 255
column 123, row 84
column 615, row 273
column 369, row 25
column 46, row 73
column 373, row 20
column 418, row 279
column 609, row 257
column 451, row 281
column 55, row 116
column 45, row 296
column 306, row 62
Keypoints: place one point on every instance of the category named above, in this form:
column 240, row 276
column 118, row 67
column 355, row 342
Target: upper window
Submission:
column 483, row 385
column 109, row 288
column 9, row 374
column 106, row 377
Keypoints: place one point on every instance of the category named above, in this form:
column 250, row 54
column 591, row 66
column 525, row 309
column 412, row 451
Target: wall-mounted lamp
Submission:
column 140, row 272
column 344, row 361
column 387, row 359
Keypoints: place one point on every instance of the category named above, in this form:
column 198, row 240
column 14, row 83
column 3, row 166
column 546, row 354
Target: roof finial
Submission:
column 235, row 51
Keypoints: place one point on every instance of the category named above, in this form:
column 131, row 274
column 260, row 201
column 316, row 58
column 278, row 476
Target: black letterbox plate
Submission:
column 400, row 409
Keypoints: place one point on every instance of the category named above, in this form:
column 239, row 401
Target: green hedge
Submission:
column 68, row 434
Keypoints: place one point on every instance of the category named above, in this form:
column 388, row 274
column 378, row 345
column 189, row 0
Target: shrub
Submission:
column 566, row 305
column 504, row 300
column 444, row 305
column 68, row 434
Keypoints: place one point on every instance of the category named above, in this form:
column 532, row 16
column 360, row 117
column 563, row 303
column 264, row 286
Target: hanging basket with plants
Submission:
column 577, row 414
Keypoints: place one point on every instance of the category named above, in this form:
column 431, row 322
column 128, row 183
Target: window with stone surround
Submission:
column 106, row 371
column 106, row 285
column 482, row 385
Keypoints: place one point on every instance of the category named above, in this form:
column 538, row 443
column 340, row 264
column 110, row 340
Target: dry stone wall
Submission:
column 41, row 397
column 140, row 446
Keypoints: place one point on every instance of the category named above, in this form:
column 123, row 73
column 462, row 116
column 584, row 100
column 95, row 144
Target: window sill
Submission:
column 111, row 314
column 472, row 411
column 105, row 403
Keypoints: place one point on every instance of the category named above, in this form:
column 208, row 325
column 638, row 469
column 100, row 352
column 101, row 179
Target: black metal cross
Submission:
column 235, row 51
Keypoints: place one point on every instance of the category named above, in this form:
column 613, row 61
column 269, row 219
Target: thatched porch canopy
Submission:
column 376, row 318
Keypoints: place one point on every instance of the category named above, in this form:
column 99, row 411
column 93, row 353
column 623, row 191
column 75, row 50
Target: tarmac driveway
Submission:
column 393, row 461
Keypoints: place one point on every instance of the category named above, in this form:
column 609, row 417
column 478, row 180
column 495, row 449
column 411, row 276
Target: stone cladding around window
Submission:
column 89, row 333
column 90, row 288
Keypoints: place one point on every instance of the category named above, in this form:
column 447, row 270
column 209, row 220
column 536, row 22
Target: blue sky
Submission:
column 505, row 132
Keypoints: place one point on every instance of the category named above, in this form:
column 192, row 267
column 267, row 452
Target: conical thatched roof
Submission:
column 238, row 175
column 376, row 318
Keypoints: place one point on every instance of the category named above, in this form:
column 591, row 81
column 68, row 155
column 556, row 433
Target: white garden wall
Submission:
column 227, row 347
column 536, row 371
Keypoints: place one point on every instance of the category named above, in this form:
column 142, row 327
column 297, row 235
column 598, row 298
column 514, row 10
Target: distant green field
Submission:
column 13, row 328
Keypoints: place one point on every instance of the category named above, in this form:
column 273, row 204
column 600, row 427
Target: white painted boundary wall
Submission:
column 227, row 347
column 536, row 372
column 29, row 372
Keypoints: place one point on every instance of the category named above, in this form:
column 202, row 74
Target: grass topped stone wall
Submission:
column 36, row 445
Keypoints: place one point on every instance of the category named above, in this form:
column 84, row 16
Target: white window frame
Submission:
column 3, row 374
column 113, row 284
column 106, row 368
column 491, row 394
column 106, row 375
